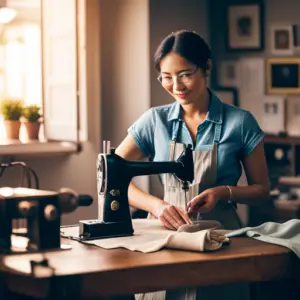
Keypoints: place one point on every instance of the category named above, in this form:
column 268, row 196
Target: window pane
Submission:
column 23, row 64
column 13, row 70
column 20, row 67
column 33, row 79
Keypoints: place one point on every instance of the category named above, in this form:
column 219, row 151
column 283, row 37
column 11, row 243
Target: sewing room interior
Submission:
column 74, row 76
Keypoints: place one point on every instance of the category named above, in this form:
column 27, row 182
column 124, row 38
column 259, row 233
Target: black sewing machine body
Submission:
column 41, row 211
column 114, row 175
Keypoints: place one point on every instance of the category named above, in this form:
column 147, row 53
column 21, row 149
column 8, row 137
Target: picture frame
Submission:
column 292, row 104
column 273, row 114
column 283, row 75
column 282, row 39
column 227, row 95
column 245, row 28
column 229, row 73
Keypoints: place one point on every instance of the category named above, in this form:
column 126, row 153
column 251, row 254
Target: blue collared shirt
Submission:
column 240, row 134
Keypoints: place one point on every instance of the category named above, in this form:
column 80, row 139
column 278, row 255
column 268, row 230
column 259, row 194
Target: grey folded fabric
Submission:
column 284, row 234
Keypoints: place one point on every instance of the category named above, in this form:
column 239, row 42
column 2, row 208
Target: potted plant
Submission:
column 11, row 111
column 32, row 121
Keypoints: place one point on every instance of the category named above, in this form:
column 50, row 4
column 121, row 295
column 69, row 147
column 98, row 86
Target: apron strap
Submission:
column 172, row 150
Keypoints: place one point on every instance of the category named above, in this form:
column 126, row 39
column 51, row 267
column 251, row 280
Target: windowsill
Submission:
column 17, row 147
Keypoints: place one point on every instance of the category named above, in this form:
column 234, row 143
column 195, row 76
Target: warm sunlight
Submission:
column 20, row 70
column 22, row 63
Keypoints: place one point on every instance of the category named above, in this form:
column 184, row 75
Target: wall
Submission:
column 167, row 16
column 274, row 12
column 125, row 65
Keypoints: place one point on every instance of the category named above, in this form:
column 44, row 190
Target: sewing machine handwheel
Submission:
column 102, row 175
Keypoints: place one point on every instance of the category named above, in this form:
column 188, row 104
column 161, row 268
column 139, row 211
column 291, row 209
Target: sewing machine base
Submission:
column 95, row 229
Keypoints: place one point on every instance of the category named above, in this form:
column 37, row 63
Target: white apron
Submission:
column 205, row 172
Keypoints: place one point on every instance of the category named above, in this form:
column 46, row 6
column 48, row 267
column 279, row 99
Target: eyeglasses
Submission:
column 186, row 77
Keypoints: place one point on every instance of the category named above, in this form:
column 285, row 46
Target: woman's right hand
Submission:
column 171, row 217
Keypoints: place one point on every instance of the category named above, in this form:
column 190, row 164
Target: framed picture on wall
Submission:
column 282, row 39
column 227, row 95
column 229, row 73
column 245, row 26
column 293, row 115
column 273, row 114
column 283, row 75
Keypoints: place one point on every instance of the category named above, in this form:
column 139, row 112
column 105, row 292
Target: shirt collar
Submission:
column 215, row 110
column 174, row 112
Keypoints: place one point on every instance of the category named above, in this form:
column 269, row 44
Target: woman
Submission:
column 223, row 138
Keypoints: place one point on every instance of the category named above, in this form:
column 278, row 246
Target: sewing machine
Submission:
column 41, row 211
column 114, row 175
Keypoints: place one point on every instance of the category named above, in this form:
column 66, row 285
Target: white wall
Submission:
column 125, row 65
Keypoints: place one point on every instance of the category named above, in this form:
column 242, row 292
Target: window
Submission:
column 20, row 56
column 21, row 67
column 39, row 64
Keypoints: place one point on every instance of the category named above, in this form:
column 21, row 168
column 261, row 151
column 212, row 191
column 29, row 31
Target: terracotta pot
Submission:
column 12, row 129
column 32, row 129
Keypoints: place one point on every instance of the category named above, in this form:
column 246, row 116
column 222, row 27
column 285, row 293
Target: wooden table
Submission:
column 90, row 271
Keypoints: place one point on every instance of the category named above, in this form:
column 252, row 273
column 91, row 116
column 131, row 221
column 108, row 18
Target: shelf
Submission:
column 35, row 148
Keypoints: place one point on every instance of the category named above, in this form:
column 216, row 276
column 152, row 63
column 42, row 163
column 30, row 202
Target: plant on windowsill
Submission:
column 11, row 111
column 31, row 118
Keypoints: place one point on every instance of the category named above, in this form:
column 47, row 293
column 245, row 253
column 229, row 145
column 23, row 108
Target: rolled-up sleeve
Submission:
column 142, row 131
column 251, row 132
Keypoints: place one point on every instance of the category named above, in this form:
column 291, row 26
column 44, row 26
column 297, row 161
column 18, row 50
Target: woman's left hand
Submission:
column 206, row 201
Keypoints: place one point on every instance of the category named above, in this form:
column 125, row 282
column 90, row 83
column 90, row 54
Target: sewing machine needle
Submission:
column 186, row 207
column 185, row 188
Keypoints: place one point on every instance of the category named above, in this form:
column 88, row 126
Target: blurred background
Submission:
column 87, row 67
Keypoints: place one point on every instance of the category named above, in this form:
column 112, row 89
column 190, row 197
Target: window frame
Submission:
column 89, row 112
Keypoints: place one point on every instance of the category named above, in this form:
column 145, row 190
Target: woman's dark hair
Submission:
column 187, row 44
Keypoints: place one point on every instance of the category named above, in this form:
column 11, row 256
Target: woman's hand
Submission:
column 171, row 216
column 207, row 200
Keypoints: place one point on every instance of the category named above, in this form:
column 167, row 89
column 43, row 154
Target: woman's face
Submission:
column 183, row 80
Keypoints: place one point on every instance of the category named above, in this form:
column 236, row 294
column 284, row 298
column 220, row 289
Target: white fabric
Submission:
column 150, row 236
